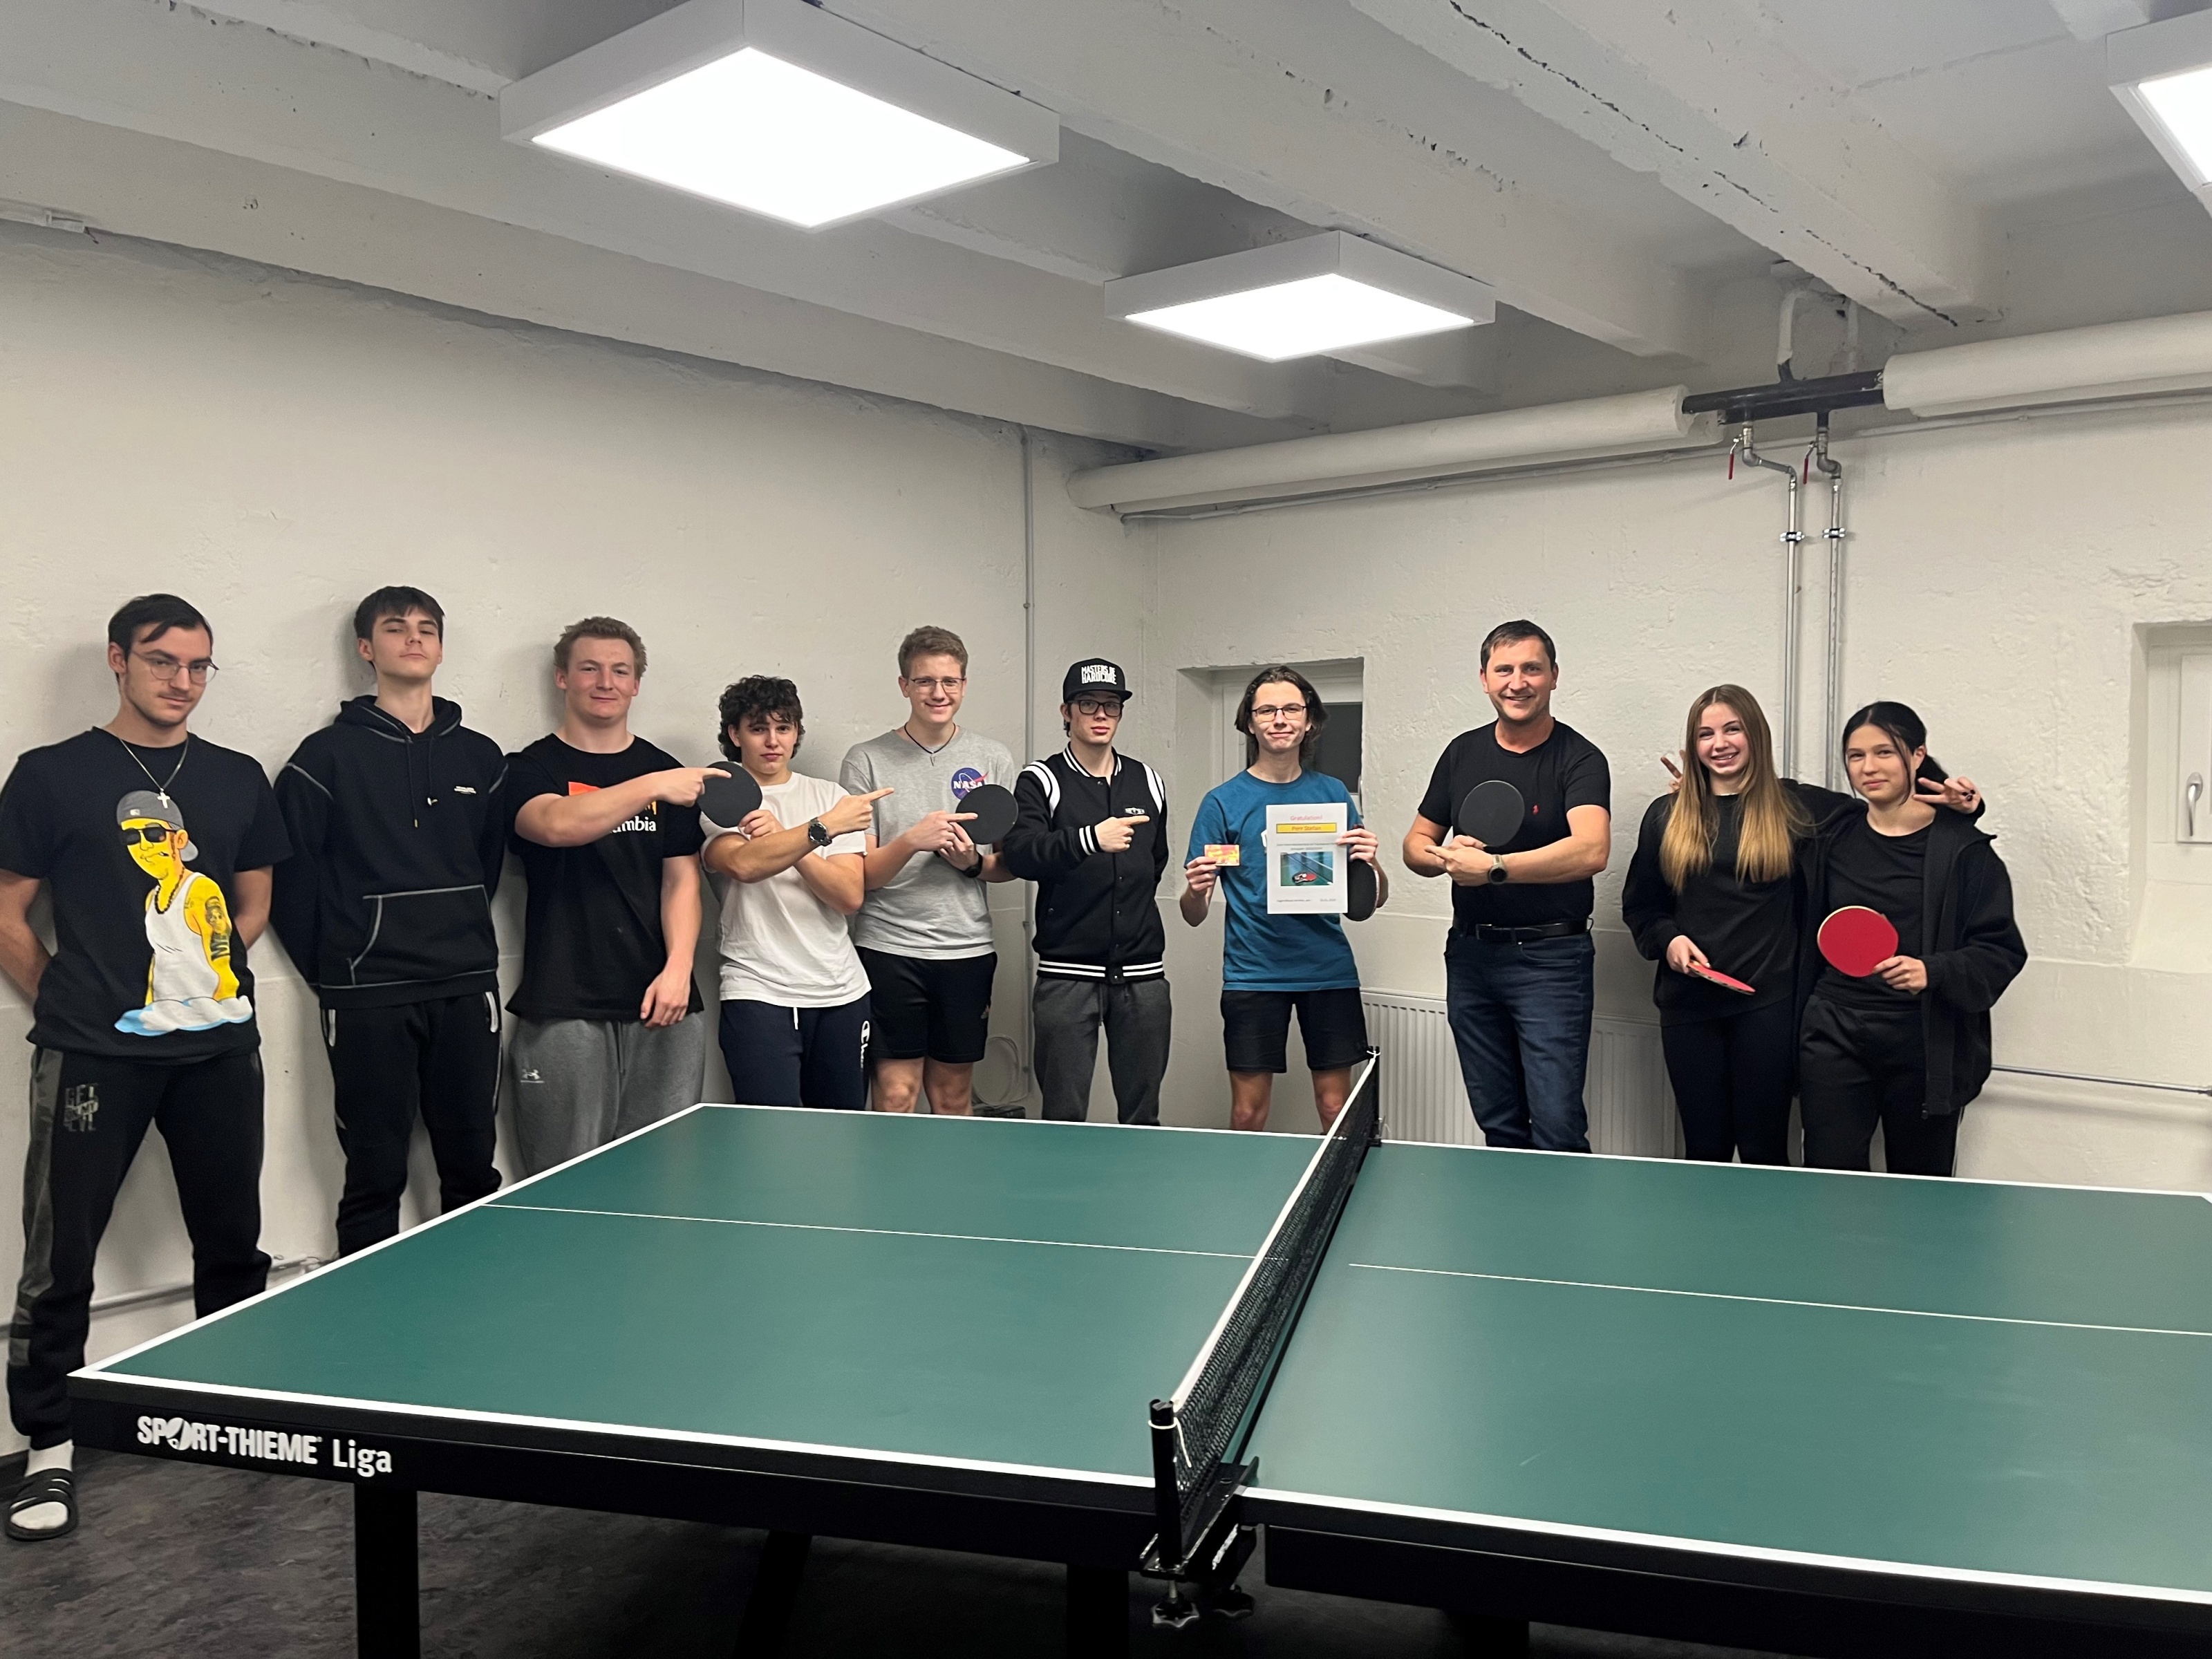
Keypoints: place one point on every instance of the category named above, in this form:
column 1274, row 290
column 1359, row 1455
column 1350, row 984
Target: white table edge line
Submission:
column 1783, row 1300
column 692, row 1437
column 879, row 1232
column 1746, row 1552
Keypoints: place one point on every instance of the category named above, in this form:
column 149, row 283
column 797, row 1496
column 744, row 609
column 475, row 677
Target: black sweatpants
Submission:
column 781, row 1056
column 1732, row 1080
column 438, row 1059
column 89, row 1115
column 1860, row 1067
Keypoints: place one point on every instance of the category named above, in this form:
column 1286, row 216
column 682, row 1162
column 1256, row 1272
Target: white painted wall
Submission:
column 1998, row 576
column 273, row 447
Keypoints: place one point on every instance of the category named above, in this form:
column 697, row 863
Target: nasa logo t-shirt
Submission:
column 929, row 909
column 139, row 850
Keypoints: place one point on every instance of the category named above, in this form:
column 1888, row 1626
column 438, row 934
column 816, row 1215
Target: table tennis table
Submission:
column 1815, row 1413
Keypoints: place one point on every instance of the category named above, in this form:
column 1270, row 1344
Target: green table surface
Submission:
column 1954, row 1376
column 978, row 1289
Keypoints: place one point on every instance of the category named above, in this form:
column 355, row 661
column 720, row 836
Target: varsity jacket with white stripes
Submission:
column 1097, row 917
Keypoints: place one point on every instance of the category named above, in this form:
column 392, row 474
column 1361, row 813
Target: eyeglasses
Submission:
column 153, row 834
column 928, row 687
column 164, row 666
column 1288, row 711
column 1091, row 707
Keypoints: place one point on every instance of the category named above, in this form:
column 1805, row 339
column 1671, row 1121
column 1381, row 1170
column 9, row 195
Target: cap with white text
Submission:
column 1093, row 676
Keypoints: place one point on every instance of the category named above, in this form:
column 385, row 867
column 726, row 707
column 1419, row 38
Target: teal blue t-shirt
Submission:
column 1259, row 951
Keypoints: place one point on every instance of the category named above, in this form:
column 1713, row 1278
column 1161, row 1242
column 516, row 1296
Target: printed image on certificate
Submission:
column 1306, row 866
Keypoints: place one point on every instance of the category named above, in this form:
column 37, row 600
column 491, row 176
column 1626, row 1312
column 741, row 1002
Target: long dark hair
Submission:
column 1316, row 712
column 1903, row 727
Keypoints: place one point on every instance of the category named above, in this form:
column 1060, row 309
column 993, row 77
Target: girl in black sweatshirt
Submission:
column 1720, row 880
column 1908, row 1045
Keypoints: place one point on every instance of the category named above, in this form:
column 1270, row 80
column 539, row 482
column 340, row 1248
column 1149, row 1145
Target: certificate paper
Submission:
column 1306, row 866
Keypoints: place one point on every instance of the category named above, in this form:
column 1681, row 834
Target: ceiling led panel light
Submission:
column 1302, row 299
column 2161, row 73
column 779, row 108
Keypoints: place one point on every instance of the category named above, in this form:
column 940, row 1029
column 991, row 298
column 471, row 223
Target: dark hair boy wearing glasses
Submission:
column 1091, row 832
column 155, row 847
column 924, row 926
column 399, row 827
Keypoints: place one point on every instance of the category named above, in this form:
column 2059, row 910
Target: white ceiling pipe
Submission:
column 1638, row 423
column 2111, row 360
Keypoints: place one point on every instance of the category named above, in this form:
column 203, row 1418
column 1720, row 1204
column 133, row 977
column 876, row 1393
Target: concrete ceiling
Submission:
column 1629, row 178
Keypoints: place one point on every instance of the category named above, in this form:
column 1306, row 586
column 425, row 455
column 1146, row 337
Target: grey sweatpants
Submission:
column 575, row 1084
column 1068, row 1012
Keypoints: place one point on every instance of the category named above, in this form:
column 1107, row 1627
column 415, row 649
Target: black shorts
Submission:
column 1255, row 1027
column 922, row 1009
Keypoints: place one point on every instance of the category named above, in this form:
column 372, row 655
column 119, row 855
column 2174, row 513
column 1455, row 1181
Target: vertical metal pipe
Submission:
column 1792, row 541
column 1832, row 764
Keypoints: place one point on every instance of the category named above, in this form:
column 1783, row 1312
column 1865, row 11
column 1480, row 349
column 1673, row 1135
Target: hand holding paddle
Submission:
column 1491, row 814
column 1683, row 954
column 1861, row 942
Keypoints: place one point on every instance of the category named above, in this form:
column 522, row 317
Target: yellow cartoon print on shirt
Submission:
column 191, row 984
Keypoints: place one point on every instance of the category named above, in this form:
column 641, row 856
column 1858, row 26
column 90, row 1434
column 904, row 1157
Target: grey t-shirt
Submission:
column 929, row 909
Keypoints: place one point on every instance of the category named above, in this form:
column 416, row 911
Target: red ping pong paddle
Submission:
column 994, row 806
column 1726, row 981
column 1855, row 939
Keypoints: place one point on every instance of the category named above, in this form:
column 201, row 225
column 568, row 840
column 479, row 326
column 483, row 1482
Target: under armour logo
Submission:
column 80, row 1105
column 527, row 1074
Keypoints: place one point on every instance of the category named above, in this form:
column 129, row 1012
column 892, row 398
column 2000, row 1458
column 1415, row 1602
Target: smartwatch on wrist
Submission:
column 1497, row 868
column 816, row 833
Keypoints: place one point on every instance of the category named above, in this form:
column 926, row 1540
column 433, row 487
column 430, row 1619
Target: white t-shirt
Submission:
column 781, row 944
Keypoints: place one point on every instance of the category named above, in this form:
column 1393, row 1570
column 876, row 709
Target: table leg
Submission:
column 387, row 1598
column 774, row 1594
column 1483, row 1638
column 1097, row 1612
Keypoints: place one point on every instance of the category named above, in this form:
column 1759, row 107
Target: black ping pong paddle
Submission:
column 727, row 800
column 1359, row 890
column 1491, row 813
column 994, row 806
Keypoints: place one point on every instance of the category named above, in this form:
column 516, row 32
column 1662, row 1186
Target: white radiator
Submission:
column 1632, row 1109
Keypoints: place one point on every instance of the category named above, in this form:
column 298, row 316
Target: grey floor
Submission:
column 181, row 1561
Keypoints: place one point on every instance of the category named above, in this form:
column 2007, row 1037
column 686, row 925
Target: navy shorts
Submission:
column 924, row 1009
column 1255, row 1028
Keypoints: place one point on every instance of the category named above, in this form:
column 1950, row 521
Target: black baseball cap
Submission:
column 1094, row 675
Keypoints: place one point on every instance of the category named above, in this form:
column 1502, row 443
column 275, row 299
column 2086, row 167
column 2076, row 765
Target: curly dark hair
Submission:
column 758, row 694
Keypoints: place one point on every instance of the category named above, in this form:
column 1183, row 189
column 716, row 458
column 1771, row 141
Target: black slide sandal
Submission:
column 47, row 1486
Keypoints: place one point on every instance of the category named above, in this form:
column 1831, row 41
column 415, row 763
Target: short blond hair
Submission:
column 927, row 642
column 597, row 627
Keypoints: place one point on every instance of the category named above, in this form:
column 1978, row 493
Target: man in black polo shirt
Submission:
column 154, row 847
column 1518, row 964
column 1092, row 834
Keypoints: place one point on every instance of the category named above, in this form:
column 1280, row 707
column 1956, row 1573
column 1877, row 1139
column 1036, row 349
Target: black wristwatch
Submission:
column 1496, row 869
column 816, row 833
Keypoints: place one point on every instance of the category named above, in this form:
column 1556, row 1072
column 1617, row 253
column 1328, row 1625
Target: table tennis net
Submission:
column 1198, row 1430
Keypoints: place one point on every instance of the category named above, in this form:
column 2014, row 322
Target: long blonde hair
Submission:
column 1772, row 819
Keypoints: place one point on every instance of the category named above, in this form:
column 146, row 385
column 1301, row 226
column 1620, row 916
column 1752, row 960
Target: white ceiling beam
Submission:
column 1696, row 93
column 2093, row 19
column 1461, row 358
column 1265, row 122
column 124, row 182
column 247, row 91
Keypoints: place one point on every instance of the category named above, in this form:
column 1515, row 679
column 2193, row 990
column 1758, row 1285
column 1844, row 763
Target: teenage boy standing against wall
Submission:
column 1092, row 834
column 1274, row 964
column 795, row 996
column 608, row 1033
column 155, row 847
column 1519, row 962
column 924, row 929
column 396, row 813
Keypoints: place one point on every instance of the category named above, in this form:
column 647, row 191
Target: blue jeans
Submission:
column 1521, row 1018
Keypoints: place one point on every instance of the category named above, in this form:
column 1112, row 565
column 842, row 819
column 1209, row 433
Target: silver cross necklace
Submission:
column 161, row 789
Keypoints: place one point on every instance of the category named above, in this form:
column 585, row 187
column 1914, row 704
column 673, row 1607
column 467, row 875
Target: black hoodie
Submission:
column 1969, row 941
column 398, row 838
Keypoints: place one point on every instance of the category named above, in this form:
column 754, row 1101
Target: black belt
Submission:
column 1491, row 933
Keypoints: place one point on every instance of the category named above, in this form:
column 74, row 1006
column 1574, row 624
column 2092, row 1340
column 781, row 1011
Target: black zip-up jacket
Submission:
column 1969, row 940
column 1096, row 916
column 398, row 838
